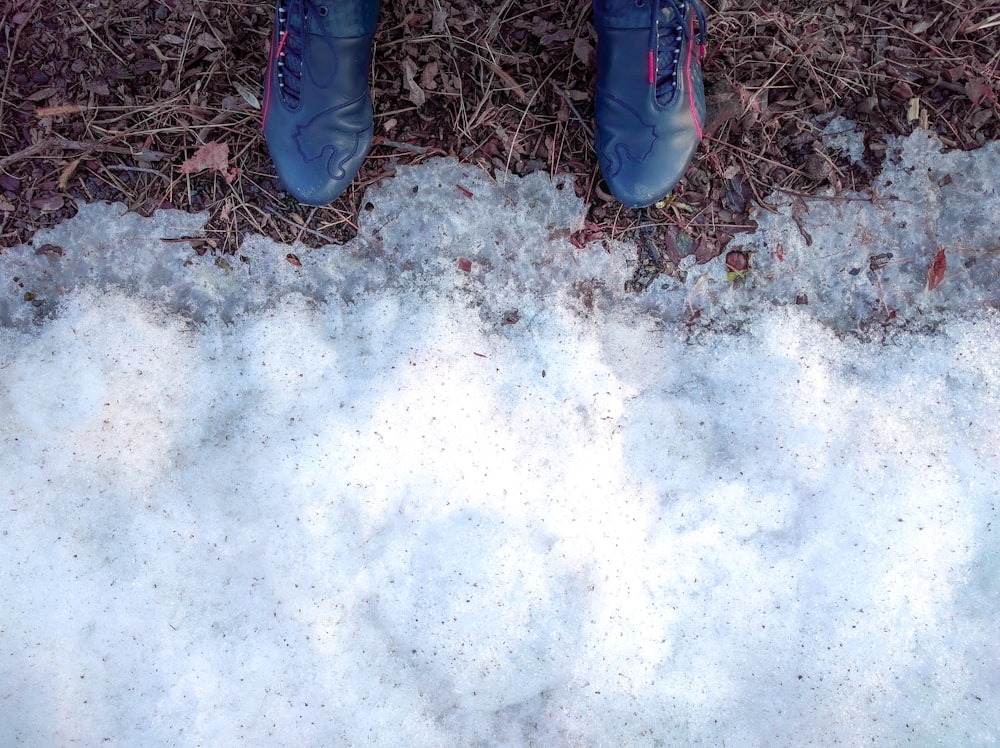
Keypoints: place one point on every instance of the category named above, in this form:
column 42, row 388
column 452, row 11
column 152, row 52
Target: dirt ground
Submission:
column 112, row 100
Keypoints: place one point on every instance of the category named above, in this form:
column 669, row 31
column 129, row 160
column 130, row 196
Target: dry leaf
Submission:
column 45, row 93
column 48, row 204
column 97, row 87
column 935, row 273
column 208, row 41
column 562, row 35
column 212, row 156
column 977, row 90
column 248, row 96
column 416, row 95
column 427, row 78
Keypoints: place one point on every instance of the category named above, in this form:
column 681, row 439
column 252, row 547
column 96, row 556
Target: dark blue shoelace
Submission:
column 671, row 31
column 291, row 41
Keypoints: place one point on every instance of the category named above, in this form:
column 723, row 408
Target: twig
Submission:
column 154, row 172
column 418, row 149
column 299, row 226
column 572, row 107
column 993, row 20
column 520, row 124
column 73, row 145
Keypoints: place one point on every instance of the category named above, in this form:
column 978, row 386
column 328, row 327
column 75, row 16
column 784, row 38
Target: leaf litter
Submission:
column 156, row 103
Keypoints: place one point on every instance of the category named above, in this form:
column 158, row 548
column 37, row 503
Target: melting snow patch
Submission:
column 449, row 484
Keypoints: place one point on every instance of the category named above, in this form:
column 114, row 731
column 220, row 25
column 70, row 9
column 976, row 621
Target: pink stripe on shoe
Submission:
column 275, row 54
column 690, row 84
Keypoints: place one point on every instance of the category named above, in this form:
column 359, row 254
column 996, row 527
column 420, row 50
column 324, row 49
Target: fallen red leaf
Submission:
column 935, row 273
column 212, row 156
column 977, row 90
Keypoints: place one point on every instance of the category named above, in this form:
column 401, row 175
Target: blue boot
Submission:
column 317, row 104
column 649, row 105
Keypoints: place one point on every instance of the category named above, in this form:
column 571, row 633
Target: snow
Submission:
column 379, row 499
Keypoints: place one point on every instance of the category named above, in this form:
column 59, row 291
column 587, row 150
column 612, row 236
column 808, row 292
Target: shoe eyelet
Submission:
column 323, row 11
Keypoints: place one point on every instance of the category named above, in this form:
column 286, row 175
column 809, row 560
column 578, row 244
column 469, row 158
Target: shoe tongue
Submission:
column 321, row 60
column 342, row 20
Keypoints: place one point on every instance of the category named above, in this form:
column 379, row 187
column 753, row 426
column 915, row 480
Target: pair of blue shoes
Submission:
column 649, row 104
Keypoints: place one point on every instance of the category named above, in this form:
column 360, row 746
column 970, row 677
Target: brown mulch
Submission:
column 112, row 100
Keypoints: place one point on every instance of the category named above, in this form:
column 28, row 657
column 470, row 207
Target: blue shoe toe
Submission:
column 649, row 105
column 317, row 109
